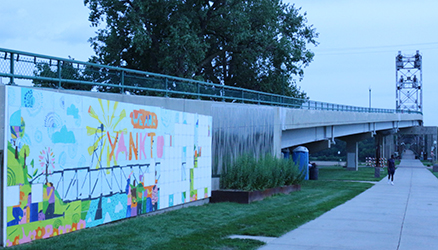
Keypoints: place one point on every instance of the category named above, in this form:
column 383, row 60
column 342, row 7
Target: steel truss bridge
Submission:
column 87, row 183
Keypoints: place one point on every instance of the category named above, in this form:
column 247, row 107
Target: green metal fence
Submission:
column 47, row 71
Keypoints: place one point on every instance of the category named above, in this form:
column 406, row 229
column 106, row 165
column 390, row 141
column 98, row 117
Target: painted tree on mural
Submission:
column 257, row 44
column 46, row 159
column 17, row 133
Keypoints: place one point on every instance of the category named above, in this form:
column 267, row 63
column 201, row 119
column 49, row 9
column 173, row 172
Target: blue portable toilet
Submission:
column 286, row 153
column 300, row 156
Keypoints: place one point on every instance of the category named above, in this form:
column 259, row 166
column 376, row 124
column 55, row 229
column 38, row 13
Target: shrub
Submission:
column 248, row 173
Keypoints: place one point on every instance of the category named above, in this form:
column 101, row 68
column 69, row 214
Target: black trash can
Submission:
column 313, row 172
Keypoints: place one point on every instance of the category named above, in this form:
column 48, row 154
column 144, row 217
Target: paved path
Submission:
column 403, row 216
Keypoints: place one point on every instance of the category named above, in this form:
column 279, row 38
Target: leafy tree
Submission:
column 66, row 70
column 255, row 44
column 331, row 154
column 366, row 148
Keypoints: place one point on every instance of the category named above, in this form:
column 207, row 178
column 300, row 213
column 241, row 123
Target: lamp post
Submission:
column 434, row 157
column 339, row 155
column 369, row 97
column 283, row 72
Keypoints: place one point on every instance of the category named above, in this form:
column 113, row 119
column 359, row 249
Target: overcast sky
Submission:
column 358, row 42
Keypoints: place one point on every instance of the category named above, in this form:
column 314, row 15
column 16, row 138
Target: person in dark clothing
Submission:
column 391, row 170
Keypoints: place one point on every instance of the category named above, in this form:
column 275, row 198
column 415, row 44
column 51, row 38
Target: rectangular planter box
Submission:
column 247, row 197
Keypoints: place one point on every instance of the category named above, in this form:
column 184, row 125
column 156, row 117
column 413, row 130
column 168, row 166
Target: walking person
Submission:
column 391, row 170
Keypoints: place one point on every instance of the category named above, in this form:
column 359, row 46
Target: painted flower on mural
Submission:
column 81, row 224
column 40, row 232
column 194, row 197
column 105, row 121
column 49, row 231
column 74, row 227
column 55, row 232
column 67, row 228
column 61, row 230
column 16, row 241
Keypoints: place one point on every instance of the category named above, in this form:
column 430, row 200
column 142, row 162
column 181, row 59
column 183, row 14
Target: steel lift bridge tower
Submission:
column 409, row 90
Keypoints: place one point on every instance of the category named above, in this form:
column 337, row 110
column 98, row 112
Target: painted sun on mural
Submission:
column 75, row 162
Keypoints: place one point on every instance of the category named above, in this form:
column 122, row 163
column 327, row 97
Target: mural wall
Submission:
column 75, row 162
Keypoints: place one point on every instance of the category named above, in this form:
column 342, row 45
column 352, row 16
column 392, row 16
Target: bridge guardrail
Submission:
column 55, row 72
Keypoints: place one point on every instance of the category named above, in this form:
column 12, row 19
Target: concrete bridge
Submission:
column 317, row 130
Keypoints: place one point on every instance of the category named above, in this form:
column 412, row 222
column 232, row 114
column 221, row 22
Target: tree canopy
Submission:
column 63, row 70
column 255, row 44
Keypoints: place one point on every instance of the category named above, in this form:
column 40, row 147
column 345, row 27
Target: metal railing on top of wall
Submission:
column 71, row 74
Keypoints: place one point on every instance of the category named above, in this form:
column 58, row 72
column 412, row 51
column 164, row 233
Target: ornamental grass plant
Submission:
column 248, row 173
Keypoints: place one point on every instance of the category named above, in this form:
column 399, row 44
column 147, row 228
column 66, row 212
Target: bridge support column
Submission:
column 352, row 149
column 378, row 142
column 352, row 154
column 385, row 140
column 388, row 146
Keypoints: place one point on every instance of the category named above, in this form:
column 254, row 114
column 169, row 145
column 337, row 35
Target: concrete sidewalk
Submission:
column 403, row 216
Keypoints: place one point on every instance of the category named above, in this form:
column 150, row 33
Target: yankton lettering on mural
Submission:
column 135, row 148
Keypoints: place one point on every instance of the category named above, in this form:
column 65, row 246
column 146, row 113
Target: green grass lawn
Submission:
column 427, row 163
column 207, row 226
column 336, row 173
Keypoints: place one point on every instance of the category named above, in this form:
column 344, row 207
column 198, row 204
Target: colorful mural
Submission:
column 75, row 162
